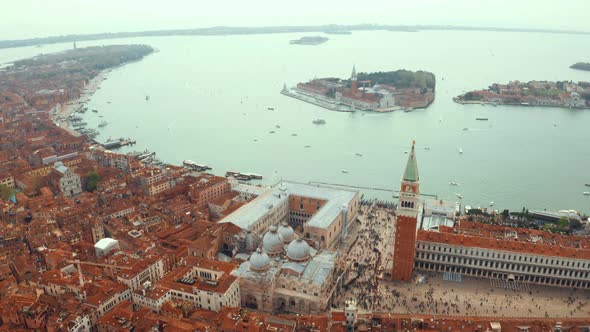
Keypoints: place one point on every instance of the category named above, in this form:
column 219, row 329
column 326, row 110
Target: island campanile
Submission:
column 407, row 212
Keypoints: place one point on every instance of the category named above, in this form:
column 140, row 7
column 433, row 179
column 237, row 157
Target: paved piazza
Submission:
column 470, row 297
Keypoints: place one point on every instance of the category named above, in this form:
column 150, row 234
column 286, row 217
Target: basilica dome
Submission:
column 298, row 250
column 286, row 232
column 259, row 261
column 272, row 242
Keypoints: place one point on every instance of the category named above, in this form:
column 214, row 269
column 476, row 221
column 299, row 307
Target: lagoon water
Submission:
column 209, row 98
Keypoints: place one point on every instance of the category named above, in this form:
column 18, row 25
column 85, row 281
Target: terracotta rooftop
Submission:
column 528, row 241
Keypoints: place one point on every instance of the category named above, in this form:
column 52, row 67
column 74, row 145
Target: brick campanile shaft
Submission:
column 408, row 208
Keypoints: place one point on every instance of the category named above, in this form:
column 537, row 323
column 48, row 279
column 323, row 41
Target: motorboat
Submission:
column 359, row 154
column 586, row 193
column 344, row 171
column 319, row 121
column 492, row 203
column 459, row 195
column 453, row 183
column 460, row 150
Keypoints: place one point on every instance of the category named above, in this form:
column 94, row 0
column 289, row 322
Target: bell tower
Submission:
column 408, row 210
column 354, row 85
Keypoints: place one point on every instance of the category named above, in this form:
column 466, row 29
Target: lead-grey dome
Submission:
column 286, row 232
column 298, row 250
column 259, row 261
column 272, row 242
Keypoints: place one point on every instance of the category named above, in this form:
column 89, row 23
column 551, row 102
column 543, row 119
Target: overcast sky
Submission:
column 37, row 18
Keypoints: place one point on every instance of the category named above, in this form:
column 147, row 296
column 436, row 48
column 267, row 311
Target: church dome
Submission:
column 286, row 232
column 298, row 250
column 272, row 242
column 259, row 261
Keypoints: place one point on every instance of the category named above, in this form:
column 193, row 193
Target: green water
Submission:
column 209, row 98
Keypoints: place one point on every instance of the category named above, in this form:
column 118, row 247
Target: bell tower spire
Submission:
column 408, row 212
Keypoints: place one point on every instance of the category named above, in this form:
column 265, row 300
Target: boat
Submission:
column 270, row 108
column 243, row 176
column 108, row 102
column 319, row 121
column 465, row 129
column 586, row 193
column 459, row 195
column 587, row 184
column 293, row 134
column 146, row 154
column 103, row 123
column 271, row 132
column 344, row 171
column 95, row 111
column 194, row 166
column 359, row 154
column 492, row 203
column 481, row 119
column 453, row 183
column 147, row 97
column 277, row 126
column 460, row 150
column 307, row 146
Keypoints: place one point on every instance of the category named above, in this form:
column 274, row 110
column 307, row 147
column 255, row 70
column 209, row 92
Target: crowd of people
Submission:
column 374, row 234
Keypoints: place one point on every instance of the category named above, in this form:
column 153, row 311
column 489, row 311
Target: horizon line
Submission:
column 251, row 30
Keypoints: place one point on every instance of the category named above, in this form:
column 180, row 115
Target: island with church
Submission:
column 378, row 91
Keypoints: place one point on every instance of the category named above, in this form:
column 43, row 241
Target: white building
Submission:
column 141, row 271
column 66, row 180
column 207, row 284
column 106, row 245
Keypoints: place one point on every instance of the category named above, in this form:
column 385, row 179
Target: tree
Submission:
column 5, row 192
column 505, row 214
column 92, row 180
column 563, row 223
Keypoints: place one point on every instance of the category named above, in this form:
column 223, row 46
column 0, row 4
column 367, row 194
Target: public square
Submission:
column 435, row 296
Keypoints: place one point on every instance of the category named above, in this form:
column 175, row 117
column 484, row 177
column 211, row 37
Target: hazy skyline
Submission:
column 34, row 18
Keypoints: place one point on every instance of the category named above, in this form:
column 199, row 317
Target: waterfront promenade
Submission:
column 62, row 112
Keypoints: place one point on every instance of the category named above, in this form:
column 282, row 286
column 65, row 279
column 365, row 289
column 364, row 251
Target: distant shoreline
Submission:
column 225, row 30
